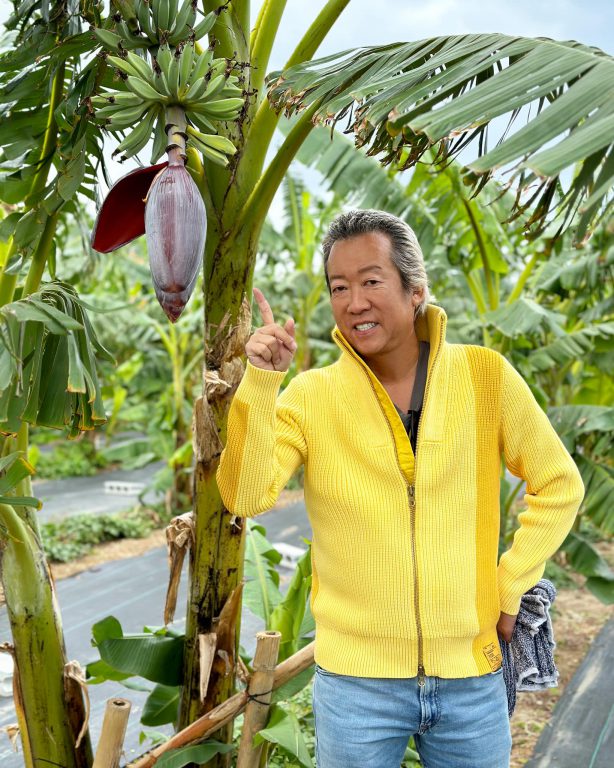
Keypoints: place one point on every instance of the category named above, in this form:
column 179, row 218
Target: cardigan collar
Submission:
column 431, row 328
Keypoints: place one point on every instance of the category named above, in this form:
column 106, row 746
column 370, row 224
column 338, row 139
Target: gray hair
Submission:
column 405, row 250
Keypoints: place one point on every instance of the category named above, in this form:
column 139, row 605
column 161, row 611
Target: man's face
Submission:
column 371, row 308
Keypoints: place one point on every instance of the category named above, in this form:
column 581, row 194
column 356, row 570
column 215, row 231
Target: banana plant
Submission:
column 479, row 76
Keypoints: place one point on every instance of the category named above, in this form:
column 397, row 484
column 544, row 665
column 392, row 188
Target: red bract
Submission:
column 176, row 227
column 121, row 217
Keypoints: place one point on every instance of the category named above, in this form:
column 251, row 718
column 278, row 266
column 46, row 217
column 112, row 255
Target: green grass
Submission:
column 75, row 536
column 66, row 459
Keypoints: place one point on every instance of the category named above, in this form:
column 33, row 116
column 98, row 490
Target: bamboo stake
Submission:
column 111, row 742
column 227, row 710
column 260, row 691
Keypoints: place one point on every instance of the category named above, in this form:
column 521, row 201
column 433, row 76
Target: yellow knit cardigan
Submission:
column 404, row 550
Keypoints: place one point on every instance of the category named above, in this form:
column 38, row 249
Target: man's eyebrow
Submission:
column 368, row 268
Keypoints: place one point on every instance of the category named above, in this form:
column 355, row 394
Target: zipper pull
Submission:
column 412, row 495
column 421, row 676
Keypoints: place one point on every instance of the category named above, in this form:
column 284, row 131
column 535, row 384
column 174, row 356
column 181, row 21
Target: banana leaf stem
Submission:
column 241, row 10
column 476, row 292
column 259, row 201
column 263, row 125
column 51, row 130
column 264, row 37
column 41, row 255
column 8, row 283
column 493, row 298
column 44, row 713
column 524, row 276
column 310, row 42
column 24, row 488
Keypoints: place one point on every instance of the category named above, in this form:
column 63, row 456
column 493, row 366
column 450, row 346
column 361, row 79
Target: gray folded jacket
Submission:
column 528, row 660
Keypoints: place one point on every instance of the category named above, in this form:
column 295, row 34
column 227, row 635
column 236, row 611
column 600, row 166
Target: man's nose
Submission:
column 358, row 301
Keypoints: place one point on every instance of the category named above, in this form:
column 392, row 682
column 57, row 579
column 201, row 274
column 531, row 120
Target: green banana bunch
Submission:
column 127, row 117
column 183, row 21
column 141, row 8
column 139, row 136
column 183, row 76
column 133, row 65
column 160, row 11
column 201, row 122
column 186, row 62
column 129, row 38
column 213, row 147
column 146, row 91
column 219, row 109
column 107, row 38
column 164, row 57
column 120, row 110
column 202, row 64
column 160, row 141
column 190, row 79
column 205, row 26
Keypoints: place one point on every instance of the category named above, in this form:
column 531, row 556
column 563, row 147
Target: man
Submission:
column 401, row 440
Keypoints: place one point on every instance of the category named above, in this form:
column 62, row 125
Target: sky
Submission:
column 375, row 22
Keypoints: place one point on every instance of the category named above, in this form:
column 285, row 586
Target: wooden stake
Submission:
column 226, row 711
column 260, row 691
column 111, row 742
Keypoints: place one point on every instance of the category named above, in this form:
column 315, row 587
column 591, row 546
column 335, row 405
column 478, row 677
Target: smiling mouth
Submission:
column 361, row 327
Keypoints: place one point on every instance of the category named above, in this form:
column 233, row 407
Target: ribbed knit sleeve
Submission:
column 265, row 442
column 534, row 452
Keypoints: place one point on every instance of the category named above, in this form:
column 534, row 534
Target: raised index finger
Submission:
column 263, row 305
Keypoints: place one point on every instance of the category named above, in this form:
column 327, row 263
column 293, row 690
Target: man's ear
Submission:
column 417, row 296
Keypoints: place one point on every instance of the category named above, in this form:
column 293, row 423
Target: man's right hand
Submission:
column 271, row 347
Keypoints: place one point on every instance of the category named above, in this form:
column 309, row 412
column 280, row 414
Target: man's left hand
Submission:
column 505, row 626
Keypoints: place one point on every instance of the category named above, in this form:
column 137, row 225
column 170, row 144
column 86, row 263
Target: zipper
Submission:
column 411, row 490
column 411, row 495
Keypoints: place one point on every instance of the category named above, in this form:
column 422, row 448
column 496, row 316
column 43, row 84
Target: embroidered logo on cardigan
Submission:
column 492, row 651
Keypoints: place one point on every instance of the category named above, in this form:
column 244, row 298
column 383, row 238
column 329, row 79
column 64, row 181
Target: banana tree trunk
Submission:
column 216, row 559
column 48, row 698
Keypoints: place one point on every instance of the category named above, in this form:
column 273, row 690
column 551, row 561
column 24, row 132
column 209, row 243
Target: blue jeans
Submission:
column 366, row 722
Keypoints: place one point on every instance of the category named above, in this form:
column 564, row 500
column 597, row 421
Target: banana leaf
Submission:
column 524, row 316
column 599, row 498
column 48, row 351
column 261, row 592
column 159, row 659
column 161, row 706
column 585, row 559
column 196, row 753
column 571, row 347
column 287, row 617
column 445, row 91
column 283, row 729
